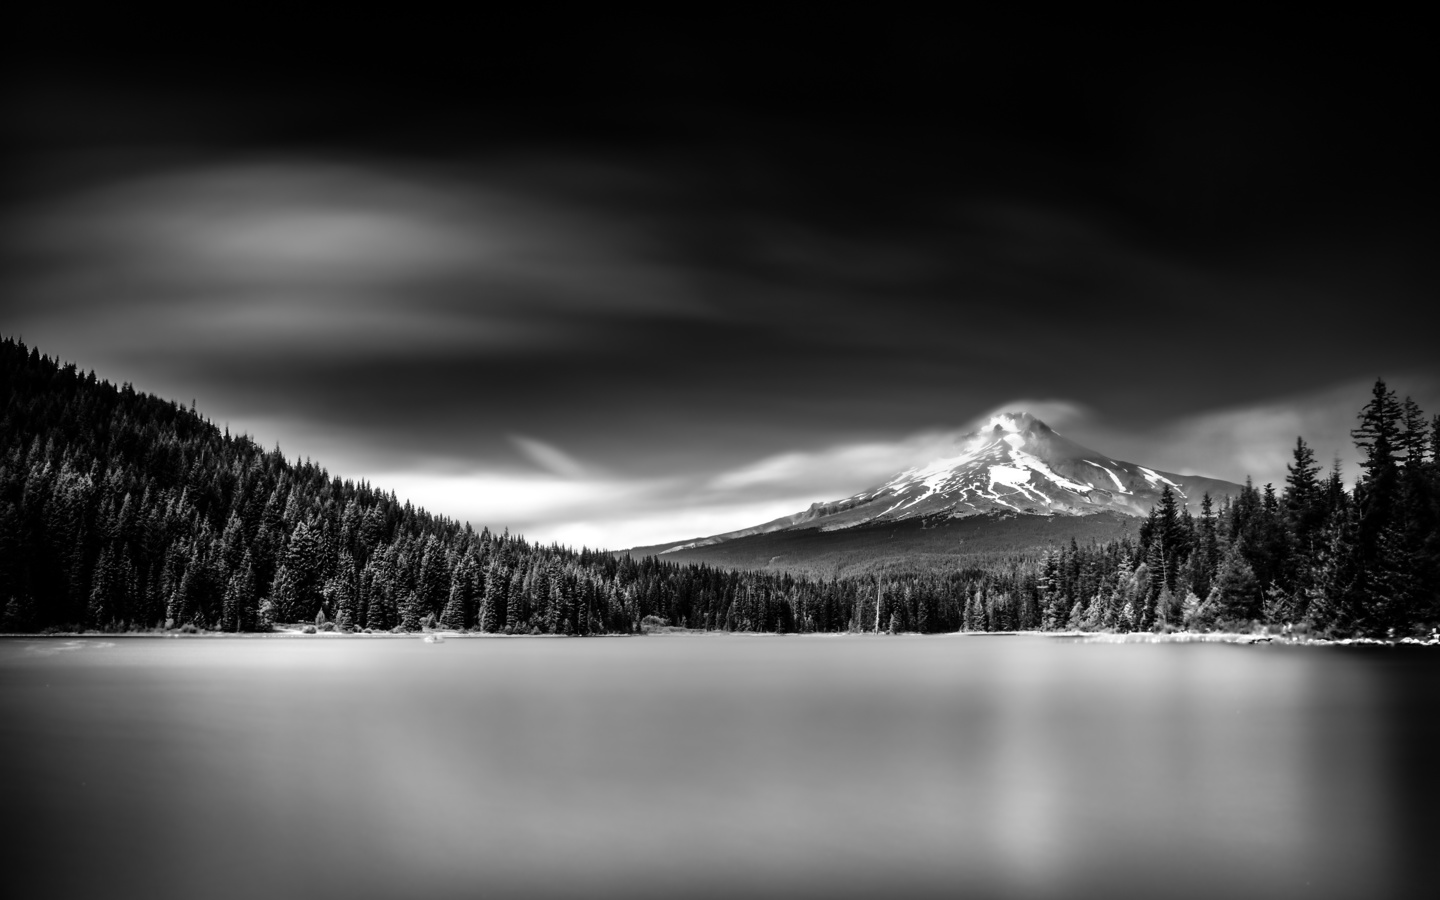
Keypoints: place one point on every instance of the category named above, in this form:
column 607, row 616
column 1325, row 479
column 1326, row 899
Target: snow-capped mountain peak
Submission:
column 1013, row 464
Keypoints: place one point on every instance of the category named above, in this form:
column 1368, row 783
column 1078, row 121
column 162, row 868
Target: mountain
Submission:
column 1012, row 466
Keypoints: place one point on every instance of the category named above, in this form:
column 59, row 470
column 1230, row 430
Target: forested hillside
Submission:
column 121, row 511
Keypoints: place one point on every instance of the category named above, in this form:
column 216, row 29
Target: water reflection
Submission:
column 702, row 765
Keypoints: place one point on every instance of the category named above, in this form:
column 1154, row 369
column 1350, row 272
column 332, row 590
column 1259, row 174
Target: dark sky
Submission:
column 628, row 281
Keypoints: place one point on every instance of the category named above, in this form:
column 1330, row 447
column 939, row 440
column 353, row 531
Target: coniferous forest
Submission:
column 120, row 511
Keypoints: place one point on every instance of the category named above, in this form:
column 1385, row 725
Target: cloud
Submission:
column 551, row 459
column 676, row 524
column 576, row 504
column 507, row 499
column 845, row 468
column 609, row 512
column 1058, row 414
column 1258, row 439
column 303, row 258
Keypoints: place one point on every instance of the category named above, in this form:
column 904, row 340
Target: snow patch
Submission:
column 841, row 526
column 929, row 490
column 678, row 547
column 1008, row 475
column 1155, row 478
column 1016, row 478
column 890, row 510
column 999, row 500
column 1031, row 462
column 1113, row 477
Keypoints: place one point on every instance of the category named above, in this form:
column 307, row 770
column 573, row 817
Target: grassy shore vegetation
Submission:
column 120, row 511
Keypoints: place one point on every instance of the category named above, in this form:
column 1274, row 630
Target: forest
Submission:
column 121, row 511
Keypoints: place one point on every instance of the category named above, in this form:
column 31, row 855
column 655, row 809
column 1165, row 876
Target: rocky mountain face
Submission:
column 1014, row 464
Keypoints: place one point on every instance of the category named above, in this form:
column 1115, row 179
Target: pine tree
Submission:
column 285, row 596
column 236, row 598
column 1384, row 546
column 1412, row 436
column 247, row 603
column 1166, row 520
column 105, row 590
column 461, row 600
column 1167, row 611
column 433, row 581
column 411, row 612
column 1335, row 605
column 303, row 566
column 339, row 593
column 232, row 545
column 1189, row 609
column 974, row 618
column 1049, row 586
column 1376, row 438
column 497, row 586
column 1207, row 614
column 382, row 613
column 1209, row 550
column 1148, row 585
column 1237, row 591
column 1303, row 492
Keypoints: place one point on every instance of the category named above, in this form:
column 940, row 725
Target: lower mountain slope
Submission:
column 936, row 544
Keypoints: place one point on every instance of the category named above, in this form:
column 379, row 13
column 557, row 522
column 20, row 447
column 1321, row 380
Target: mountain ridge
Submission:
column 1012, row 465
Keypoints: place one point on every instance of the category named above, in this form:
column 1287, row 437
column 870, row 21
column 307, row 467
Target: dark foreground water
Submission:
column 714, row 766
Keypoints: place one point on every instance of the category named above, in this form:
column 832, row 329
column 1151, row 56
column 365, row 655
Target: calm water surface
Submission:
column 713, row 765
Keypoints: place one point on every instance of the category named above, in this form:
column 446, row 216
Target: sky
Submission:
column 632, row 281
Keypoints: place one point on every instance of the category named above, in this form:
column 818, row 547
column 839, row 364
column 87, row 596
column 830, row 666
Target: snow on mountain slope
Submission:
column 1014, row 464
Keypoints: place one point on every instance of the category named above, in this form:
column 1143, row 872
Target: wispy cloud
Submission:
column 550, row 458
column 1258, row 439
column 1058, row 414
column 576, row 504
column 307, row 257
column 843, row 467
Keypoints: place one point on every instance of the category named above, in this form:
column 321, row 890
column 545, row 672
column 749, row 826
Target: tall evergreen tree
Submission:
column 1303, row 507
column 1236, row 590
column 240, row 612
column 411, row 611
column 461, row 600
column 1376, row 438
column 493, row 605
column 1209, row 550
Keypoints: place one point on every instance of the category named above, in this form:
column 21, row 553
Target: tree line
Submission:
column 122, row 511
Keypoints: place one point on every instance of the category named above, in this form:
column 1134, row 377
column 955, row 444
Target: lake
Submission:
column 713, row 765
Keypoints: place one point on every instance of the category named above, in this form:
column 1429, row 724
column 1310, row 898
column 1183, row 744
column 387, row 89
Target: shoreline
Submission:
column 438, row 636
